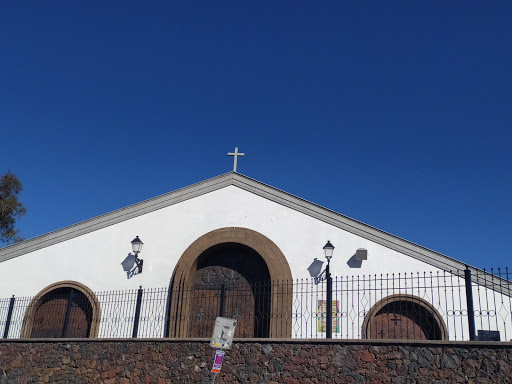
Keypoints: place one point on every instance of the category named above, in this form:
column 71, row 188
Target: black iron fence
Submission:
column 454, row 305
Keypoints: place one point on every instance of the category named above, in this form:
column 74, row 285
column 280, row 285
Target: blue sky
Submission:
column 397, row 114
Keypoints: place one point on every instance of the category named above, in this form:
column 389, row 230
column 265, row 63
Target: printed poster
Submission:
column 322, row 316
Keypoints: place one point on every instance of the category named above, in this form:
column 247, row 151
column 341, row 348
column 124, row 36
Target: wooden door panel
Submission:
column 49, row 319
column 78, row 325
column 240, row 305
column 57, row 307
column 206, row 301
column 396, row 326
column 404, row 320
column 228, row 274
column 204, row 310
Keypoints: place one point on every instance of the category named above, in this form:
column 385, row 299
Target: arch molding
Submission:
column 397, row 298
column 28, row 319
column 279, row 269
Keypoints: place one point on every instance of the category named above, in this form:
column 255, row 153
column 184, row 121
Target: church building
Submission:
column 239, row 248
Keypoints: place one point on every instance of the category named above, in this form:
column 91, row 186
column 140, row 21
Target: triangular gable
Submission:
column 260, row 189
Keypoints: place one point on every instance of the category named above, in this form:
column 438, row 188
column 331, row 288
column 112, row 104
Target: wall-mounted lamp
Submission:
column 316, row 266
column 136, row 248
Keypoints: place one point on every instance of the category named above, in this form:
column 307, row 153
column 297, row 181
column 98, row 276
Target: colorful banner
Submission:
column 322, row 316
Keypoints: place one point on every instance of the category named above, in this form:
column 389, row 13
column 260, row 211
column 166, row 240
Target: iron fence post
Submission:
column 329, row 302
column 168, row 311
column 137, row 312
column 469, row 300
column 9, row 316
column 222, row 299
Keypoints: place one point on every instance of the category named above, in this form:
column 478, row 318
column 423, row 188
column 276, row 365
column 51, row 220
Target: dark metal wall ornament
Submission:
column 209, row 276
column 213, row 275
column 229, row 275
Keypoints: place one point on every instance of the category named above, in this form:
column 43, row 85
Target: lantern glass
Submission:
column 137, row 245
column 328, row 250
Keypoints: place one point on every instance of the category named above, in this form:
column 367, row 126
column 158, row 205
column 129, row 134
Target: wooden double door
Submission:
column 231, row 281
column 404, row 320
column 64, row 312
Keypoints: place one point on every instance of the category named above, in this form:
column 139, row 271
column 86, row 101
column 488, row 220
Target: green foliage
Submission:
column 10, row 208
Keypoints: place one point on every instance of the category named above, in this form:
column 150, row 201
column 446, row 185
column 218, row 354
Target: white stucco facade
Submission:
column 94, row 258
column 91, row 252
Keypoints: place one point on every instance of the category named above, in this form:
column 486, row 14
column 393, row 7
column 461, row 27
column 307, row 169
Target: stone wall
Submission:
column 162, row 361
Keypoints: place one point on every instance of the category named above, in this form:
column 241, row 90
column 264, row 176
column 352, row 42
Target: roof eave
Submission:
column 244, row 182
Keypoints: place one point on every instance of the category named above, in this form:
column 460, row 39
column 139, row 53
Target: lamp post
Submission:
column 136, row 248
column 328, row 251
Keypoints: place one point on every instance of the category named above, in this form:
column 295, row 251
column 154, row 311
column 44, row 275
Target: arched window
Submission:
column 62, row 310
column 404, row 317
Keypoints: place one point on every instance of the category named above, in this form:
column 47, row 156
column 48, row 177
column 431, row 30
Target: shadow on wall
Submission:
column 130, row 266
column 315, row 269
column 354, row 263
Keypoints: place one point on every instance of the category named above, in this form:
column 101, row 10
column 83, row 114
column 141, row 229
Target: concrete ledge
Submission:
column 436, row 343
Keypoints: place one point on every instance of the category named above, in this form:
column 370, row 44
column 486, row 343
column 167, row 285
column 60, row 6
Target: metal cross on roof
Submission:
column 235, row 154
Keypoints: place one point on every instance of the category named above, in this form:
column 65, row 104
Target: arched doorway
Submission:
column 62, row 310
column 404, row 317
column 234, row 271
column 231, row 280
